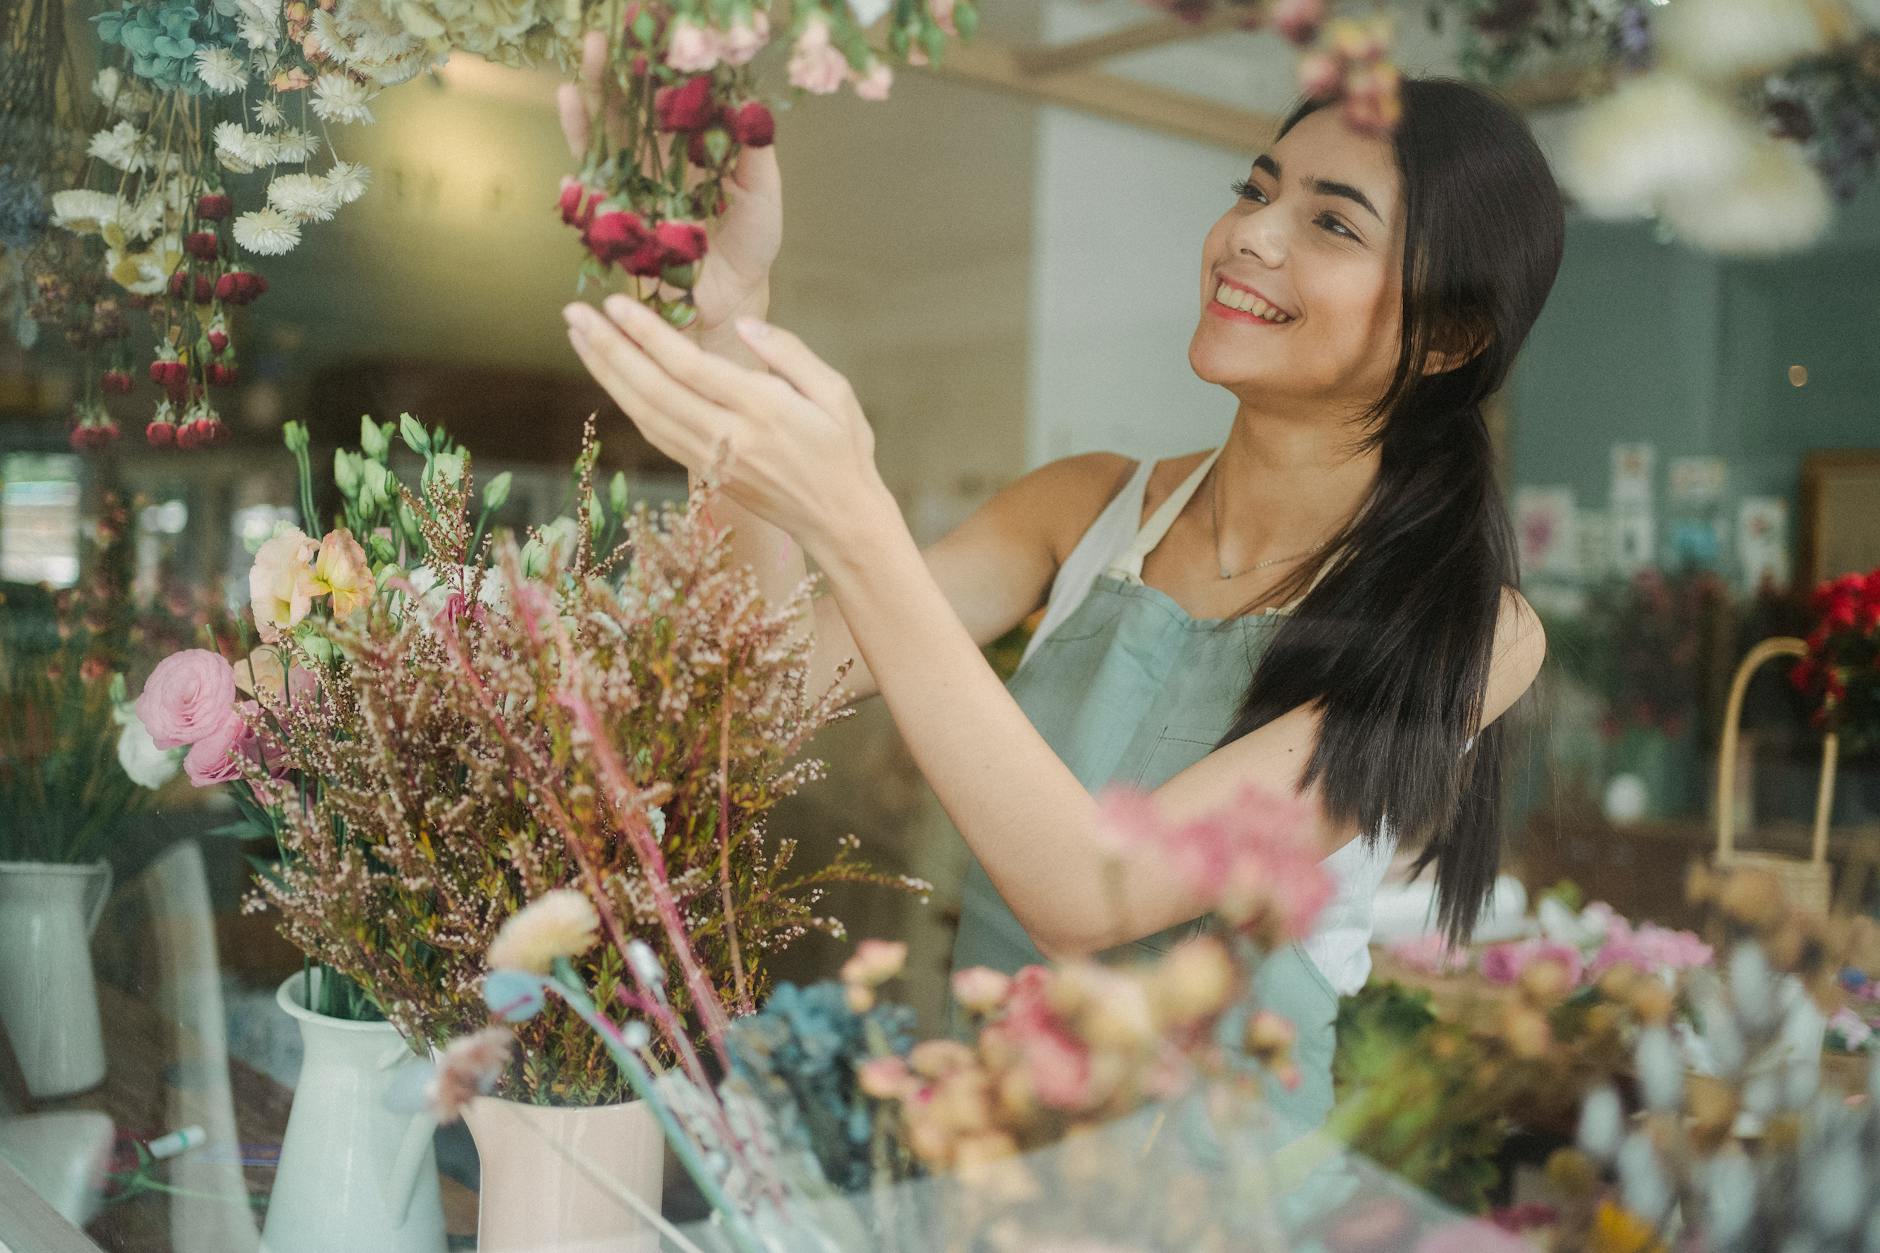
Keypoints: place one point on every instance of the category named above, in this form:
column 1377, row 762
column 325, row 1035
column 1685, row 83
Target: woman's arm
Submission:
column 1032, row 825
column 994, row 569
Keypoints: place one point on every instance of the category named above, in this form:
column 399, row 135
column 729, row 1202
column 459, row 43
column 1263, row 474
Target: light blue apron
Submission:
column 1130, row 690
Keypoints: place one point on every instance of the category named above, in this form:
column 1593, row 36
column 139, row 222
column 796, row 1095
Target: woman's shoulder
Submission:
column 1066, row 496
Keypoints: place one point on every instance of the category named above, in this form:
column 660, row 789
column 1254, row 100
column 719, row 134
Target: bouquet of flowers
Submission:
column 1840, row 677
column 434, row 744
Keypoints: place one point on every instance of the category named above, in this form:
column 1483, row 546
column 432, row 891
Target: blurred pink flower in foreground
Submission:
column 1254, row 859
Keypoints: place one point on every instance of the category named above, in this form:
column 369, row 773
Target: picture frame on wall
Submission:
column 1840, row 530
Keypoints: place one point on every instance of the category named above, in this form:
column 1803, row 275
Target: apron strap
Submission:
column 1128, row 564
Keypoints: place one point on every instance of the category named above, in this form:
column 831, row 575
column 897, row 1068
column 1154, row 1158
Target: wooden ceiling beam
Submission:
column 986, row 63
column 1044, row 59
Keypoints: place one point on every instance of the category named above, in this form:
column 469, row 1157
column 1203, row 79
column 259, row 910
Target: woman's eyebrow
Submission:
column 1323, row 186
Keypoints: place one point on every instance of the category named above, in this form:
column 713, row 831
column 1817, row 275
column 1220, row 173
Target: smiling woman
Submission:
column 1359, row 301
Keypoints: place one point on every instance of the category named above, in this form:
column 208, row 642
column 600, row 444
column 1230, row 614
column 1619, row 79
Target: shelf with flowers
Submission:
column 431, row 729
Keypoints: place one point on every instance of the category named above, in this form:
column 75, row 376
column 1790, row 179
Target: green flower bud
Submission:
column 534, row 558
column 680, row 275
column 617, row 492
column 408, row 524
column 317, row 645
column 346, row 468
column 380, row 550
column 294, row 435
column 681, row 313
column 374, row 440
column 934, row 41
column 496, row 491
column 449, row 466
column 414, row 434
column 597, row 517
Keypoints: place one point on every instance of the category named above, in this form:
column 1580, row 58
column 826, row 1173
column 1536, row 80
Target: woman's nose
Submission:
column 1262, row 237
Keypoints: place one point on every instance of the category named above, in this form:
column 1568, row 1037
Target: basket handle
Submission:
column 1780, row 646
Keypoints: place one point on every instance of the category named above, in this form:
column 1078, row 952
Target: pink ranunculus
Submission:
column 942, row 13
column 1430, row 953
column 692, row 48
column 187, row 697
column 1254, row 858
column 219, row 756
column 1649, row 947
column 1503, row 963
column 816, row 65
column 979, row 989
column 280, row 583
column 875, row 83
column 340, row 568
column 746, row 38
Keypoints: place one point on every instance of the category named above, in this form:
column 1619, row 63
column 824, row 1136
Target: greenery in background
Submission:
column 64, row 659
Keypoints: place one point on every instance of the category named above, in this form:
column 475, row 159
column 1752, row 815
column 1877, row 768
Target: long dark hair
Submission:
column 1393, row 643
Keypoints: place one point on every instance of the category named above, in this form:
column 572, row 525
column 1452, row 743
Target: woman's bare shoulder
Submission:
column 1065, row 496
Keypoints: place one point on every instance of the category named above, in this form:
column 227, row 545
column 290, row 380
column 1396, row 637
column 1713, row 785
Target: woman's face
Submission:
column 1316, row 238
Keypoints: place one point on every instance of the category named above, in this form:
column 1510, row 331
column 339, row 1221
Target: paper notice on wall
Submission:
column 1632, row 466
column 1695, row 481
column 1545, row 522
column 1634, row 540
column 1762, row 542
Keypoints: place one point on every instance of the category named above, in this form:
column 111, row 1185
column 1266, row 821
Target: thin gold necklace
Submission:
column 1214, row 513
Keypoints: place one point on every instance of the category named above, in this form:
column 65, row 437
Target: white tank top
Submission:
column 1116, row 545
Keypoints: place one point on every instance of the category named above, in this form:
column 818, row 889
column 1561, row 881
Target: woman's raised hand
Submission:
column 734, row 279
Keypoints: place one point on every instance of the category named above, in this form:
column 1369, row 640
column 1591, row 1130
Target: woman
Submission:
column 1324, row 604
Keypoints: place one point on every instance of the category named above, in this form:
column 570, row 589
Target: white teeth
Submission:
column 1247, row 302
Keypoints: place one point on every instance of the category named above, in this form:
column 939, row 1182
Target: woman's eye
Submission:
column 1336, row 227
column 1245, row 189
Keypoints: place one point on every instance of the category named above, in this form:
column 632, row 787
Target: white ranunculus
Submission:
column 1777, row 203
column 1727, row 40
column 145, row 763
column 1656, row 132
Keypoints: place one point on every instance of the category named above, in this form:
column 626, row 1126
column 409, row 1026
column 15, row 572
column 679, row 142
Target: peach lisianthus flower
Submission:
column 340, row 568
column 280, row 584
column 692, row 48
column 561, row 923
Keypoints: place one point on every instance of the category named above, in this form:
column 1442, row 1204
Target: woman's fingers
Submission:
column 790, row 359
column 664, row 399
column 676, row 355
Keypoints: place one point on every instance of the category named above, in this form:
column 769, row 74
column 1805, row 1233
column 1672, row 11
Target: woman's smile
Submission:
column 1237, row 304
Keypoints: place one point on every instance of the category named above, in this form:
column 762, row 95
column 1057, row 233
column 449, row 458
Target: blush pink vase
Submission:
column 535, row 1199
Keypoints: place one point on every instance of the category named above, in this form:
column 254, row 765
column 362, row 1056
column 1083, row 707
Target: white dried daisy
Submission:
column 220, row 70
column 267, row 232
column 143, row 219
column 561, row 923
column 123, row 147
column 304, row 197
column 338, row 98
column 84, row 212
column 325, row 37
column 268, row 114
column 241, row 150
column 286, row 146
column 347, row 179
column 258, row 22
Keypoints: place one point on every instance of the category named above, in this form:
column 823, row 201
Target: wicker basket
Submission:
column 1805, row 883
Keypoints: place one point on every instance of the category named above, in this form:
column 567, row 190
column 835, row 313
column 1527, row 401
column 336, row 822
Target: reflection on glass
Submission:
column 39, row 519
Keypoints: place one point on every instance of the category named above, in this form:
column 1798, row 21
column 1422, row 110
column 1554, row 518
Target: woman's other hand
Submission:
column 734, row 279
